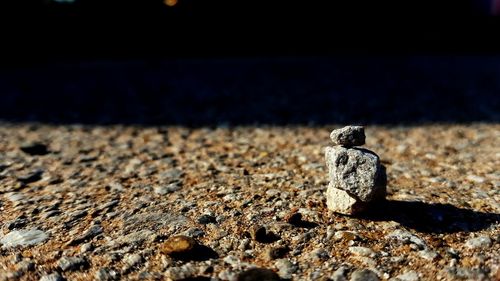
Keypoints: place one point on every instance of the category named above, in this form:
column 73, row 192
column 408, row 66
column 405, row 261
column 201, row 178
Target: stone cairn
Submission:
column 356, row 176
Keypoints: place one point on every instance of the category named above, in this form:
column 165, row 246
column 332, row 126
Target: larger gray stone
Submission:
column 356, row 171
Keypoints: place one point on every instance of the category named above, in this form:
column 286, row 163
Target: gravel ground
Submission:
column 83, row 202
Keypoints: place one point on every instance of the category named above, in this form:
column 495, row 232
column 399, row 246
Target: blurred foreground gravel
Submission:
column 99, row 203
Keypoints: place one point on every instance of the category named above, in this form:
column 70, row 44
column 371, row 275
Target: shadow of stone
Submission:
column 431, row 218
column 305, row 224
column 198, row 253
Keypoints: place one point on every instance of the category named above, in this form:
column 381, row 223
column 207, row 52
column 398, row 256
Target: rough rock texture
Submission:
column 348, row 136
column 97, row 195
column 356, row 171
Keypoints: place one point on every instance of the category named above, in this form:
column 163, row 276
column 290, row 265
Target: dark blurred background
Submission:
column 194, row 62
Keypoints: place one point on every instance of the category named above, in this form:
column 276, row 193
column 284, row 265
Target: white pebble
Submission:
column 23, row 237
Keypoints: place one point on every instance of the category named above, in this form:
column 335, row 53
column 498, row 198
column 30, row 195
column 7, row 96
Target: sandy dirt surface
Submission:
column 99, row 203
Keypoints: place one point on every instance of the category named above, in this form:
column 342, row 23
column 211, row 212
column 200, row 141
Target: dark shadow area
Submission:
column 210, row 92
column 431, row 218
column 198, row 253
column 296, row 219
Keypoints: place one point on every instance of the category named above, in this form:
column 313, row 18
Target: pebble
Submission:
column 339, row 274
column 32, row 176
column 364, row 275
column 348, row 136
column 178, row 244
column 132, row 259
column 407, row 237
column 362, row 251
column 475, row 179
column 428, row 254
column 320, row 255
column 23, row 238
column 105, row 274
column 25, row 266
column 258, row 274
column 345, row 235
column 85, row 248
column 184, row 272
column 206, row 219
column 162, row 190
column 88, row 234
column 15, row 197
column 72, row 263
column 285, row 268
column 407, row 276
column 19, row 222
column 52, row 277
column 479, row 242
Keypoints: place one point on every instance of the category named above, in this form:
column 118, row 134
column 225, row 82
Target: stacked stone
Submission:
column 356, row 175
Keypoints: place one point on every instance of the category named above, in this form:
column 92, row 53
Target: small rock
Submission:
column 362, row 251
column 178, row 244
column 87, row 247
column 183, row 272
column 258, row 274
column 285, row 268
column 277, row 252
column 132, row 259
column 407, row 237
column 72, row 263
column 475, row 179
column 15, row 197
column 479, row 242
column 25, row 266
column 407, row 276
column 206, row 219
column 428, row 254
column 19, row 222
column 105, row 274
column 339, row 274
column 88, row 234
column 34, row 148
column 52, row 277
column 342, row 202
column 348, row 136
column 32, row 176
column 364, row 275
column 345, row 235
column 320, row 255
column 162, row 190
column 23, row 238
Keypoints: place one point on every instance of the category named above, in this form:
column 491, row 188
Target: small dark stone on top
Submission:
column 348, row 136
